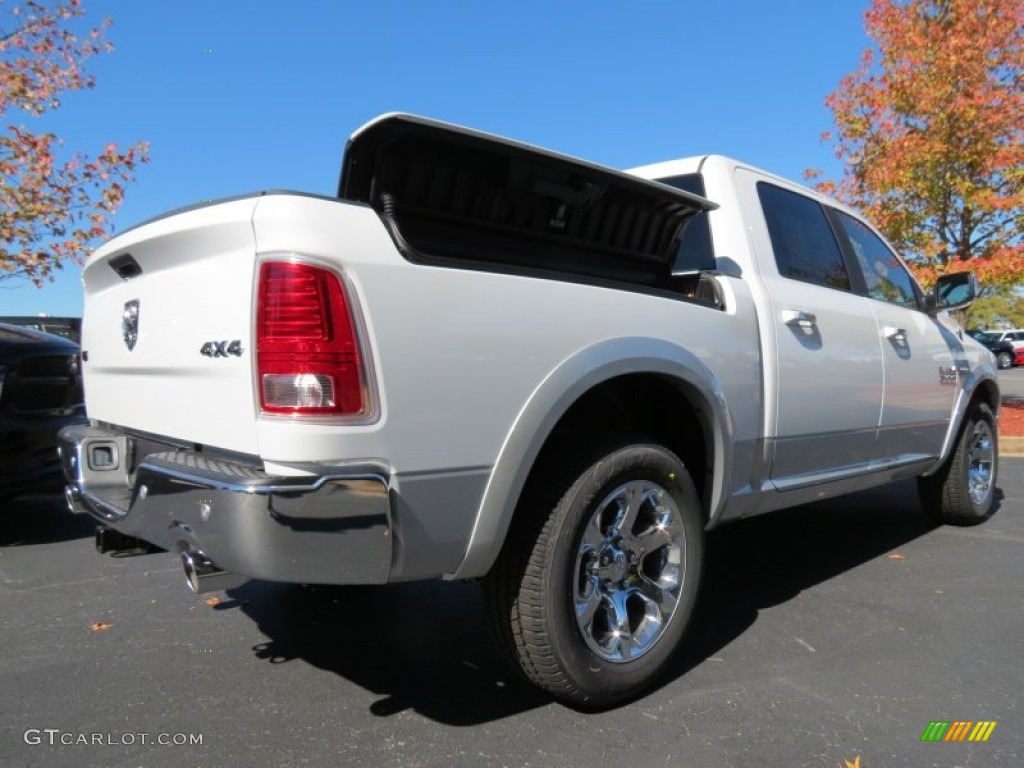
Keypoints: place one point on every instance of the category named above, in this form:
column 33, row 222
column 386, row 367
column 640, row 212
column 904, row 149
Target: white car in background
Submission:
column 1015, row 336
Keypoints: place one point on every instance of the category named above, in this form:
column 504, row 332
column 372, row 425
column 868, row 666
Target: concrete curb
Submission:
column 1011, row 446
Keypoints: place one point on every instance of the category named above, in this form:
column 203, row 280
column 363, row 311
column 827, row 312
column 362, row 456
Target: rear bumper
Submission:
column 330, row 529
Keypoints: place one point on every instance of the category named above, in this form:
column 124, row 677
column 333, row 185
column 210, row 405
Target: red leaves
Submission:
column 43, row 198
column 931, row 130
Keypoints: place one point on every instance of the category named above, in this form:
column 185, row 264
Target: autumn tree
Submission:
column 53, row 204
column 929, row 129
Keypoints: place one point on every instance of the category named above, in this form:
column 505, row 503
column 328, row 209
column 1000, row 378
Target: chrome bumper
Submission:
column 328, row 529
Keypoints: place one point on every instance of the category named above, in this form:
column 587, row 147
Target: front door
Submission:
column 920, row 371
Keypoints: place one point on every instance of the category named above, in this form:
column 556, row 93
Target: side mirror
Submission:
column 954, row 291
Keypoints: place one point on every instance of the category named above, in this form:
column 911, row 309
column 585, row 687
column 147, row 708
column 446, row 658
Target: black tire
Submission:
column 1004, row 360
column 963, row 491
column 625, row 521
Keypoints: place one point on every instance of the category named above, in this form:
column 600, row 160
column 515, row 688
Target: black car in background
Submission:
column 40, row 392
column 68, row 327
column 1003, row 350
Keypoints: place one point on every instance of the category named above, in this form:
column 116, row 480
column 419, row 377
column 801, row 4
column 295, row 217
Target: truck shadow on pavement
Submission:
column 768, row 560
column 423, row 646
column 427, row 647
column 40, row 518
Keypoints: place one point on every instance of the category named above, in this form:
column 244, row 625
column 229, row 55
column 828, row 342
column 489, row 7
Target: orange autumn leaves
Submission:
column 930, row 129
column 53, row 206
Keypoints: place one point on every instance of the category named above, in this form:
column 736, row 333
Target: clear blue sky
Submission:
column 620, row 83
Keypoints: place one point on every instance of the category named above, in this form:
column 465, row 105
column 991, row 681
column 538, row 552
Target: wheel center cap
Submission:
column 614, row 564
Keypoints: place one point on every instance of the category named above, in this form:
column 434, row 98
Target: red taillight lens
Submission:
column 308, row 357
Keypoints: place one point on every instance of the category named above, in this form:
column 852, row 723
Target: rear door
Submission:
column 828, row 372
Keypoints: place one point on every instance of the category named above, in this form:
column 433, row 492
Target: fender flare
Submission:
column 559, row 390
column 966, row 395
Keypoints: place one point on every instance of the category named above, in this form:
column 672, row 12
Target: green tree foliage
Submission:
column 1000, row 308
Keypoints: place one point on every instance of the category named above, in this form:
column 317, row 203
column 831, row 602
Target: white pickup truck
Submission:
column 483, row 360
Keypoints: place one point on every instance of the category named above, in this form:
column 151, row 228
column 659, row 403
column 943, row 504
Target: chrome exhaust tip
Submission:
column 202, row 576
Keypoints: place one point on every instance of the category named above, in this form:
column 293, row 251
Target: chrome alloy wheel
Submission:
column 628, row 574
column 980, row 453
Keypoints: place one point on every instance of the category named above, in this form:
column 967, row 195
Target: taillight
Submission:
column 307, row 348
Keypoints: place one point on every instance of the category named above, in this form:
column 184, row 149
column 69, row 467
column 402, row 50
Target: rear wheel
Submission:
column 963, row 491
column 1004, row 360
column 592, row 602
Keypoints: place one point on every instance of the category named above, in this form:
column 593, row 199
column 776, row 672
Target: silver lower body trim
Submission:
column 842, row 473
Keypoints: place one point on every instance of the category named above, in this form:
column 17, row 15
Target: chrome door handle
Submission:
column 896, row 335
column 797, row 318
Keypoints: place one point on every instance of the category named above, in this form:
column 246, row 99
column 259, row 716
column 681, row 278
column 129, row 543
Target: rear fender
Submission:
column 554, row 396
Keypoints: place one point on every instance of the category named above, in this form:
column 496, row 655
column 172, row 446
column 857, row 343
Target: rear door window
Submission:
column 802, row 239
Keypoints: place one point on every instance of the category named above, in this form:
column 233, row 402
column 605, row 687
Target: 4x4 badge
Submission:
column 221, row 348
column 130, row 323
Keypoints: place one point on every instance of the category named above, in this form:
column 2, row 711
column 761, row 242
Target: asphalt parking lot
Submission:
column 1011, row 383
column 832, row 631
